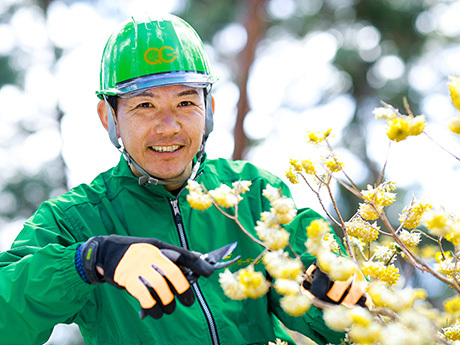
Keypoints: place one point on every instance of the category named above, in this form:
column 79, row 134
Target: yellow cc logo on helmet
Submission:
column 164, row 54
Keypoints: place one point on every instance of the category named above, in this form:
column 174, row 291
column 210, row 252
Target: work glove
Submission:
column 150, row 270
column 350, row 292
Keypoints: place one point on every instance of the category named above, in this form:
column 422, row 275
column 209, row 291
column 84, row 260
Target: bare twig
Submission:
column 440, row 146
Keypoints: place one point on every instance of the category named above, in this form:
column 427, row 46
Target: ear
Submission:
column 103, row 115
column 102, row 112
column 213, row 104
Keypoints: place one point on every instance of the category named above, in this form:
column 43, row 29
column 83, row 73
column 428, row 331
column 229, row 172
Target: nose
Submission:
column 167, row 124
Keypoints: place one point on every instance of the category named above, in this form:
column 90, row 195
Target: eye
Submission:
column 185, row 103
column 145, row 105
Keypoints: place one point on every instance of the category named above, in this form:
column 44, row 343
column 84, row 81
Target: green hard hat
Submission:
column 153, row 51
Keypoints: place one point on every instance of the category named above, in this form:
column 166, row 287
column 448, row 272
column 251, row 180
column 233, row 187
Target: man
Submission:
column 155, row 103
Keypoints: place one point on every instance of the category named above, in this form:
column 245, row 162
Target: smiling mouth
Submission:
column 162, row 149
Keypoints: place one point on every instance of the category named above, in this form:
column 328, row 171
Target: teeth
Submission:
column 165, row 148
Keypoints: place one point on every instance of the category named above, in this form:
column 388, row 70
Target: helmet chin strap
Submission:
column 146, row 178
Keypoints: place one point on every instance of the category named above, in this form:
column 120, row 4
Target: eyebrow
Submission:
column 187, row 92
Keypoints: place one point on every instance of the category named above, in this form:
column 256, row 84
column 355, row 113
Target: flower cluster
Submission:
column 223, row 196
column 413, row 326
column 196, row 197
column 411, row 217
column 375, row 199
column 282, row 212
column 446, row 264
column 357, row 227
column 286, row 271
column 375, row 247
column 410, row 239
column 317, row 137
column 400, row 126
column 440, row 223
column 244, row 283
column 452, row 333
column 386, row 273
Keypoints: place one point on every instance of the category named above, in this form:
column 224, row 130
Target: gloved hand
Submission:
column 350, row 292
column 145, row 268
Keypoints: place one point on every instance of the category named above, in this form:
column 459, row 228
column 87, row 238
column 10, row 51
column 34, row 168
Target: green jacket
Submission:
column 40, row 286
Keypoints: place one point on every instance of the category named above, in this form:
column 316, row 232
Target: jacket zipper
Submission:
column 204, row 306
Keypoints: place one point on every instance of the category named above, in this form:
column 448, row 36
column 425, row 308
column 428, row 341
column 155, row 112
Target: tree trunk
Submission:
column 255, row 23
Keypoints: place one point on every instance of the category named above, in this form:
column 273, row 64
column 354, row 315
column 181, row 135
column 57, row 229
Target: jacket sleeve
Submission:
column 311, row 324
column 39, row 284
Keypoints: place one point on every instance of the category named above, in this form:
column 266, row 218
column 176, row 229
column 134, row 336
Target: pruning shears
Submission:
column 209, row 262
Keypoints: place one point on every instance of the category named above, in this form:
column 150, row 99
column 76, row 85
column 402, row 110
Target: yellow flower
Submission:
column 452, row 305
column 381, row 195
column 295, row 305
column 410, row 239
column 397, row 300
column 385, row 113
column 280, row 266
column 454, row 125
column 317, row 229
column 317, row 137
column 199, row 201
column 384, row 254
column 412, row 214
column 309, row 167
column 452, row 333
column 445, row 265
column 454, row 234
column 254, row 283
column 337, row 318
column 362, row 229
column 331, row 243
column 365, row 334
column 297, row 167
column 231, row 286
column 438, row 222
column 274, row 237
column 291, row 176
column 368, row 212
column 417, row 125
column 283, row 205
column 454, row 89
column 241, row 187
column 398, row 130
column 388, row 274
column 271, row 193
column 224, row 196
column 333, row 165
column 361, row 316
column 336, row 267
column 194, row 186
column 428, row 251
column 287, row 287
column 284, row 209
column 269, row 219
column 197, row 198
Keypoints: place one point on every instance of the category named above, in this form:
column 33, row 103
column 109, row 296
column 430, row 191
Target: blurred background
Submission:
column 284, row 67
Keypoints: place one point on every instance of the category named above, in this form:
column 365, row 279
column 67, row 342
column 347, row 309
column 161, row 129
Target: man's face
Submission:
column 162, row 129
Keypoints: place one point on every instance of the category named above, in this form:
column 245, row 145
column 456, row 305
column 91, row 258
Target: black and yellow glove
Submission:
column 350, row 292
column 145, row 268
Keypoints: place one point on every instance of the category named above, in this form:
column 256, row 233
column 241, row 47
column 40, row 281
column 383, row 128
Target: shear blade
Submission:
column 216, row 255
